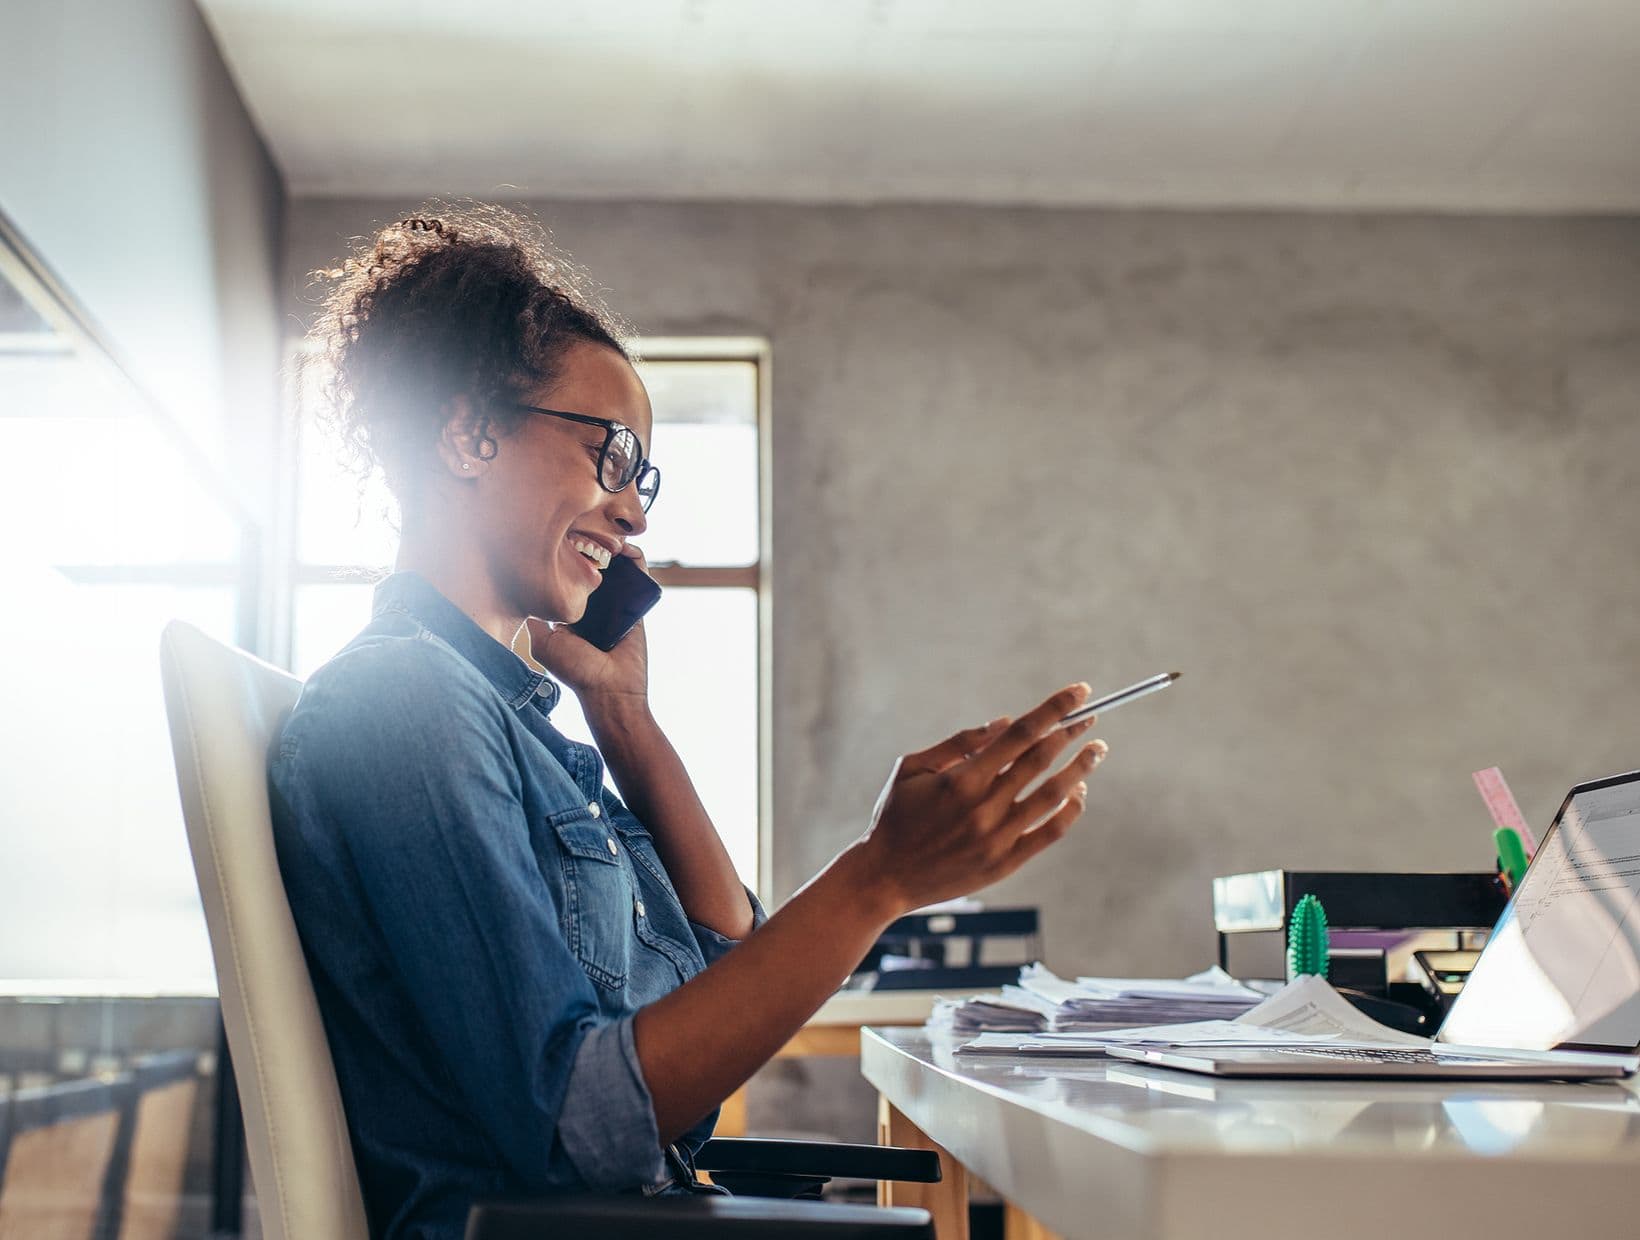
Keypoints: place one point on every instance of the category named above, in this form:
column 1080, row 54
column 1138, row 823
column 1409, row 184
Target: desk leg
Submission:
column 947, row 1201
column 1018, row 1225
column 732, row 1115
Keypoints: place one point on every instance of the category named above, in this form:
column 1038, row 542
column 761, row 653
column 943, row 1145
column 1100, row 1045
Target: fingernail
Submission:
column 1081, row 790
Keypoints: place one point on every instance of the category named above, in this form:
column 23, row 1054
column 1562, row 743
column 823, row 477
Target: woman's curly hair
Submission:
column 470, row 300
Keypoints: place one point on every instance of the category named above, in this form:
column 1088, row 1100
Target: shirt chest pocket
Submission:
column 598, row 897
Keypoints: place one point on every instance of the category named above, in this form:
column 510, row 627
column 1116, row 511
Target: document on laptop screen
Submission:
column 1563, row 964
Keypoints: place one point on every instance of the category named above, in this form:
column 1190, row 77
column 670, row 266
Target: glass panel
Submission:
column 705, row 444
column 706, row 512
column 703, row 688
column 97, row 889
column 687, row 390
column 327, row 617
column 97, row 885
column 95, row 480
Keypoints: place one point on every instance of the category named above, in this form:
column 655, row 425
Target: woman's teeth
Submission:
column 598, row 555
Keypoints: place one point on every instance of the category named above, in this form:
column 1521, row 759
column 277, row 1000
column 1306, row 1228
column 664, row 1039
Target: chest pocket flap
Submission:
column 597, row 917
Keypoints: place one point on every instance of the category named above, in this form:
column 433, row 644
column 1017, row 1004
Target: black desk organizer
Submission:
column 1263, row 901
column 932, row 936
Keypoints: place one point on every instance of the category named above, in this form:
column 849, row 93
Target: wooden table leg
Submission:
column 1018, row 1225
column 732, row 1115
column 946, row 1201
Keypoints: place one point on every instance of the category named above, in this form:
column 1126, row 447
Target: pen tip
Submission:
column 1174, row 675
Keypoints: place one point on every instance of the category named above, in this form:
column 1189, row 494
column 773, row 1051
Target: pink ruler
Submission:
column 1501, row 802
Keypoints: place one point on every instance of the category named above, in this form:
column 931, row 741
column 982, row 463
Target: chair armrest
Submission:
column 819, row 1158
column 691, row 1218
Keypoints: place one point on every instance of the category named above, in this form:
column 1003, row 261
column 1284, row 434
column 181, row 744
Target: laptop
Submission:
column 1556, row 992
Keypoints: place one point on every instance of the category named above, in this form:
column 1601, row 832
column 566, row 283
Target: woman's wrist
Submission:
column 612, row 716
column 864, row 885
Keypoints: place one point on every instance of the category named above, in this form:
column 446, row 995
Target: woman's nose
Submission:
column 628, row 511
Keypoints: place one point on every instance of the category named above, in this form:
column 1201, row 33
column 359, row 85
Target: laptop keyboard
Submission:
column 1386, row 1055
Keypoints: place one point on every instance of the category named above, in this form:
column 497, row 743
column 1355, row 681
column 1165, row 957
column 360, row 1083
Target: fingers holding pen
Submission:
column 1039, row 758
column 1013, row 741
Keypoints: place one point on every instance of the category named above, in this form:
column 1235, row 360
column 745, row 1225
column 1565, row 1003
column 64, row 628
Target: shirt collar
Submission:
column 513, row 679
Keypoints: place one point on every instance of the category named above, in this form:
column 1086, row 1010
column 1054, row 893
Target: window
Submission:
column 112, row 525
column 708, row 635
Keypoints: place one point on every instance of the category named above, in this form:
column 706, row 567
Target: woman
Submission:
column 530, row 985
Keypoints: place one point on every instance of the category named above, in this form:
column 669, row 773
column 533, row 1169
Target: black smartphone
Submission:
column 618, row 604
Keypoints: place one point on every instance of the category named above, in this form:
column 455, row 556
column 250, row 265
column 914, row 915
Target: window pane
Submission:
column 706, row 512
column 97, row 882
column 327, row 617
column 129, row 495
column 705, row 445
column 96, row 887
column 703, row 687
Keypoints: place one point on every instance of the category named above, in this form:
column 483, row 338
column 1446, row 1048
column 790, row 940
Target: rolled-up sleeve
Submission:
column 607, row 1121
column 439, row 842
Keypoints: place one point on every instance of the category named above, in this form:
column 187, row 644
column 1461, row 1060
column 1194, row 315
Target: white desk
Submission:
column 1109, row 1151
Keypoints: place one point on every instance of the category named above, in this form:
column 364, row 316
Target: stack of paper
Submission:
column 1005, row 1013
column 1043, row 1001
column 1307, row 1011
column 1112, row 1002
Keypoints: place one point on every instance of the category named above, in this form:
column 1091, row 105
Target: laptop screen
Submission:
column 1562, row 967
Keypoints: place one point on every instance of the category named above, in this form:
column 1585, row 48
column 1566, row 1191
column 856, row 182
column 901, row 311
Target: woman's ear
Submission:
column 461, row 441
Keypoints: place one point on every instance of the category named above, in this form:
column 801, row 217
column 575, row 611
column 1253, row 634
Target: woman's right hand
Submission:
column 952, row 819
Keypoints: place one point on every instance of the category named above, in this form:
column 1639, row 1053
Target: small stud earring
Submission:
column 466, row 465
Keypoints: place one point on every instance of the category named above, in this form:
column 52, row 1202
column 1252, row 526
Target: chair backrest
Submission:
column 225, row 708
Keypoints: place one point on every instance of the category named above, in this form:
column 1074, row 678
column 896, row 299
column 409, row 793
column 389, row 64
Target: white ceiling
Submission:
column 1449, row 104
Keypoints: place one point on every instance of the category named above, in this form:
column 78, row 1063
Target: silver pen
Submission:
column 1121, row 697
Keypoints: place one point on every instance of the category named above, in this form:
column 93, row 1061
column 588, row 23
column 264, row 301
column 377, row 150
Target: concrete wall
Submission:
column 130, row 165
column 1372, row 483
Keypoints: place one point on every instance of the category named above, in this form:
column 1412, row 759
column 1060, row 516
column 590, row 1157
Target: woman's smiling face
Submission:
column 548, row 526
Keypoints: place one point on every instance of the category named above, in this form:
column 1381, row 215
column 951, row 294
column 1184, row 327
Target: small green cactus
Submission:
column 1307, row 939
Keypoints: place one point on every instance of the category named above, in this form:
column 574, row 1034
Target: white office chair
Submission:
column 225, row 708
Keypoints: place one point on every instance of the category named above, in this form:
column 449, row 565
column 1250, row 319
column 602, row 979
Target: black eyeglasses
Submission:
column 621, row 461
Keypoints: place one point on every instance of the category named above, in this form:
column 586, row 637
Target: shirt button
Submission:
column 613, row 851
column 596, row 810
column 640, row 908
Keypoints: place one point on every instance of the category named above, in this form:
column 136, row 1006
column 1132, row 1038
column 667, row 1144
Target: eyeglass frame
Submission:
column 611, row 429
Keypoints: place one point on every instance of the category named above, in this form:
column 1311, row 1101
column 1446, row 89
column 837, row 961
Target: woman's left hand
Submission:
column 619, row 676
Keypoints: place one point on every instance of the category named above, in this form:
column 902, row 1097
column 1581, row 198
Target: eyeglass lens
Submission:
column 620, row 459
column 649, row 485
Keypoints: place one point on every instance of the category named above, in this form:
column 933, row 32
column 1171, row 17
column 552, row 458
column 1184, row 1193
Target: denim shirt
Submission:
column 481, row 918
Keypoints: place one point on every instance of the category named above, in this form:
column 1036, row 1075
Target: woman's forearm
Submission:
column 656, row 788
column 698, row 1044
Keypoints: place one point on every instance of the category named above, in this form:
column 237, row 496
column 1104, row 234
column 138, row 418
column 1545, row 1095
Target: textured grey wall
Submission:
column 1372, row 483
